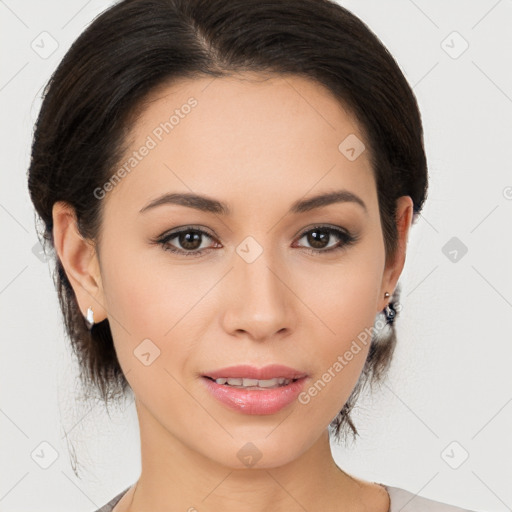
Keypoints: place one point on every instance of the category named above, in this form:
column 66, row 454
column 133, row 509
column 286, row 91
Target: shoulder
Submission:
column 406, row 501
column 108, row 507
column 401, row 501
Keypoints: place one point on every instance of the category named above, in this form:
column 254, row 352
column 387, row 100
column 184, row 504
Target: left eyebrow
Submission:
column 210, row 205
column 325, row 199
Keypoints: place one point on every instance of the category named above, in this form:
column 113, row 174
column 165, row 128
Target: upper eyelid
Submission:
column 206, row 232
column 186, row 229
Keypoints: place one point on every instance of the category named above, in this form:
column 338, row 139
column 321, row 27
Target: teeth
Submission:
column 247, row 382
column 251, row 383
column 270, row 383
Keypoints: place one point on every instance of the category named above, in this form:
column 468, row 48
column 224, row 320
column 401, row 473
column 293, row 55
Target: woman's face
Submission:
column 247, row 291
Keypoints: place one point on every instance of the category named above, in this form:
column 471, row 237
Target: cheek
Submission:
column 147, row 337
column 344, row 297
column 144, row 292
column 343, row 300
column 153, row 308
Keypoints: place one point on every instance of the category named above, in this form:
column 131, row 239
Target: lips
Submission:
column 252, row 400
column 273, row 371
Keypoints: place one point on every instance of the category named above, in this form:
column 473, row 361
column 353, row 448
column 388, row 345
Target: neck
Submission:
column 177, row 477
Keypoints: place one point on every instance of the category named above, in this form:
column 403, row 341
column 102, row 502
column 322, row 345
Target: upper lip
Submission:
column 271, row 371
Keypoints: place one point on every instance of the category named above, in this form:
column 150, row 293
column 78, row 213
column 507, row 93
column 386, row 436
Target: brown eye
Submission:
column 320, row 237
column 188, row 242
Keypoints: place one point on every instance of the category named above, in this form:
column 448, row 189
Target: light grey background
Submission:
column 449, row 392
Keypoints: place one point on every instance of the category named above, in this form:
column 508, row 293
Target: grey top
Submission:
column 401, row 501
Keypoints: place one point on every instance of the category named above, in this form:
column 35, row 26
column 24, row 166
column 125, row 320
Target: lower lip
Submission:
column 254, row 401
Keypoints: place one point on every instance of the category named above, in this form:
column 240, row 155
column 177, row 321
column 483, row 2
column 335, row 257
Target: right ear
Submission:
column 79, row 259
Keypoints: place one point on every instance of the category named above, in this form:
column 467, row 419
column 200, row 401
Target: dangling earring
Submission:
column 389, row 311
column 89, row 320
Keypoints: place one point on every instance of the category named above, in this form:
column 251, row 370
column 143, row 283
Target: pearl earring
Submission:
column 89, row 320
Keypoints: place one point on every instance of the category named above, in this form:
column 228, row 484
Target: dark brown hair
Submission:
column 138, row 45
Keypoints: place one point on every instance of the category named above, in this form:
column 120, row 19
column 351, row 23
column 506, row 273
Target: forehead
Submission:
column 246, row 133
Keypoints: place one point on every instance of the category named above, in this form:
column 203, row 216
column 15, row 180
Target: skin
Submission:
column 258, row 144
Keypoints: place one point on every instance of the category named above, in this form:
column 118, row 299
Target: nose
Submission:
column 259, row 303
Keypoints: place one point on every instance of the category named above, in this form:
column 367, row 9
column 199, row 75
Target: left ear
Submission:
column 394, row 267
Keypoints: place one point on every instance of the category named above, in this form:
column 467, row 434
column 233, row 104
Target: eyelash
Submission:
column 347, row 240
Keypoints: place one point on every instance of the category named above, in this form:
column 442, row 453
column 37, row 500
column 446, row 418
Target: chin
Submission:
column 256, row 449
